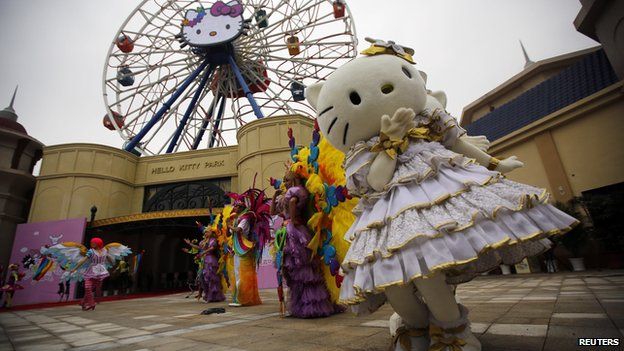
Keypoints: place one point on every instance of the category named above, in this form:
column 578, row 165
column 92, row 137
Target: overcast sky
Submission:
column 55, row 50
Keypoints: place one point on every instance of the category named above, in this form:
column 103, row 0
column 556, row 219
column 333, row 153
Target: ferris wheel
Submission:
column 182, row 75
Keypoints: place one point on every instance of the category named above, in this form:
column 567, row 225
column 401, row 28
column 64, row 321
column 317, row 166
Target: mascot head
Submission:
column 351, row 101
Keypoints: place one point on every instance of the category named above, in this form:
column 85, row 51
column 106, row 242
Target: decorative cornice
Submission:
column 276, row 120
column 193, row 212
column 87, row 175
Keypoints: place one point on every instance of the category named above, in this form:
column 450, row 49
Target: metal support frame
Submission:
column 202, row 130
column 166, row 106
column 189, row 109
column 246, row 90
column 213, row 135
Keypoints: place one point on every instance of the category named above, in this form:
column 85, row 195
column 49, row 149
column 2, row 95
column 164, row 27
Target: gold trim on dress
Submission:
column 361, row 294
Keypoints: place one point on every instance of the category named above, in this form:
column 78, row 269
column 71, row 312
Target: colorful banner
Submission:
column 41, row 280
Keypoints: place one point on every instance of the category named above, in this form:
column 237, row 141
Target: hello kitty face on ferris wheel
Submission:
column 221, row 23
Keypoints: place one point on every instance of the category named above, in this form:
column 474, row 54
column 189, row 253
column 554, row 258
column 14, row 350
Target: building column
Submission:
column 557, row 177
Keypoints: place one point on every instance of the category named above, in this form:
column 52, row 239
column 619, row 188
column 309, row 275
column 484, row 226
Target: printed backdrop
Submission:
column 29, row 239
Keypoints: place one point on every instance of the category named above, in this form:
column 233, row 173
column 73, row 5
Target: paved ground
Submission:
column 520, row 312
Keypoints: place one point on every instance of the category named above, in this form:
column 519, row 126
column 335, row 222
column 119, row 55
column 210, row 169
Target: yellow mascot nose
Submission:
column 213, row 33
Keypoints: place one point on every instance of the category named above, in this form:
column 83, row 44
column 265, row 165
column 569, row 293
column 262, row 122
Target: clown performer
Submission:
column 434, row 209
column 250, row 231
column 14, row 275
column 91, row 265
column 308, row 295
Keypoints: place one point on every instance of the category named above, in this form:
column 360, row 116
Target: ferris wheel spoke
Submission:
column 273, row 10
column 147, row 88
column 149, row 68
column 206, row 121
column 258, row 79
column 190, row 108
column 274, row 26
column 305, row 7
column 130, row 54
column 172, row 112
column 300, row 61
column 217, row 122
column 149, row 36
column 137, row 138
column 306, row 27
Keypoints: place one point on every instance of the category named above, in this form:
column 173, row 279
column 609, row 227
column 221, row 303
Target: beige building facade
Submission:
column 573, row 149
column 75, row 177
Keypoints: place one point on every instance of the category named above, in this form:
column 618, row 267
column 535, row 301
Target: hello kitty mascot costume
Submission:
column 434, row 209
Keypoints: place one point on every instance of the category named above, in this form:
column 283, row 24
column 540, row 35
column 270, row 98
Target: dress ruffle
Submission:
column 308, row 295
column 212, row 280
column 441, row 212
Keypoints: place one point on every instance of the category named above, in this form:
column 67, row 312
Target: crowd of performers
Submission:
column 303, row 223
column 296, row 225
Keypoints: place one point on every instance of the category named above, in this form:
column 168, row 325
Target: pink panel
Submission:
column 267, row 277
column 29, row 238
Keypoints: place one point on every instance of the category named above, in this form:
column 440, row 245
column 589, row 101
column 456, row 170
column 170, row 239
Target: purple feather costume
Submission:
column 309, row 297
column 213, row 291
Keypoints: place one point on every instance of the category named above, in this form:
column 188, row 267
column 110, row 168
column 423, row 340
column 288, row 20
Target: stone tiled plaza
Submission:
column 519, row 312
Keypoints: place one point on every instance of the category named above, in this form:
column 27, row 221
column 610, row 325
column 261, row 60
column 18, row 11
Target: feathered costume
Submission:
column 248, row 242
column 210, row 252
column 11, row 285
column 309, row 259
column 90, row 265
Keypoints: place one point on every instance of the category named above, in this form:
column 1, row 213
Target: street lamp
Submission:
column 93, row 211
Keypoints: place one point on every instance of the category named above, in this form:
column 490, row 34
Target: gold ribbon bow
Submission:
column 441, row 342
column 423, row 133
column 403, row 336
column 394, row 147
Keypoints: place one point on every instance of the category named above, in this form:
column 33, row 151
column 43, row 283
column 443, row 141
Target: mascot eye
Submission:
column 407, row 72
column 355, row 98
column 227, row 26
column 387, row 88
column 198, row 31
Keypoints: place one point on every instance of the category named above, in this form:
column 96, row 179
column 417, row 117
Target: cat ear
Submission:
column 440, row 96
column 424, row 76
column 312, row 93
column 190, row 14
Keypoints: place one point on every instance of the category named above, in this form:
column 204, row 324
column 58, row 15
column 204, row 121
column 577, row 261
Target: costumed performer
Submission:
column 308, row 296
column 11, row 284
column 209, row 251
column 434, row 209
column 197, row 259
column 250, row 232
column 91, row 265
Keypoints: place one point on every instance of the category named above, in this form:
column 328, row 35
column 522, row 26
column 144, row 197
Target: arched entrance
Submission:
column 158, row 237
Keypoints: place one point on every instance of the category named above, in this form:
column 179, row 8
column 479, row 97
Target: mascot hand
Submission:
column 480, row 141
column 397, row 126
column 509, row 164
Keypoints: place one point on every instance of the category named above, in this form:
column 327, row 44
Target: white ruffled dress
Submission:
column 441, row 212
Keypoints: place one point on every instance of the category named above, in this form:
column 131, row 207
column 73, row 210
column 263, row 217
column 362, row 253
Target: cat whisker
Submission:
column 325, row 110
column 331, row 125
